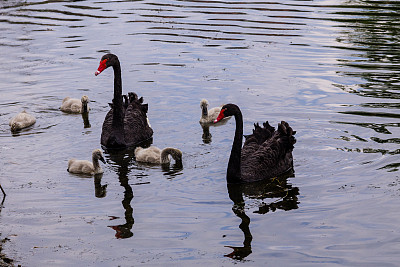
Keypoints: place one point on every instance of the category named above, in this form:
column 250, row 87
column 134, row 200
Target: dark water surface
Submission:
column 329, row 68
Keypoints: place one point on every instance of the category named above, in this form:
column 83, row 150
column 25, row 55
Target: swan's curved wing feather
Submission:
column 271, row 158
column 136, row 128
column 107, row 128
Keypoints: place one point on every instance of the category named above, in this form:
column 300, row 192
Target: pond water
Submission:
column 329, row 68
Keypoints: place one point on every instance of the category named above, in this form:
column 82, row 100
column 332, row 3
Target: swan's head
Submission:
column 226, row 111
column 97, row 154
column 106, row 61
column 85, row 99
column 203, row 103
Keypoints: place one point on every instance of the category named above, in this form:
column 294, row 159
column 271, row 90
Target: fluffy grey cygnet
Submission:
column 85, row 166
column 208, row 116
column 21, row 120
column 155, row 155
column 73, row 105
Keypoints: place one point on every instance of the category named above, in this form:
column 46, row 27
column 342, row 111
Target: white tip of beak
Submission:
column 215, row 121
column 97, row 73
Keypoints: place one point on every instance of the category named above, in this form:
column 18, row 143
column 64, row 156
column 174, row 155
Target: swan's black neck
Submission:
column 233, row 174
column 117, row 80
column 117, row 101
column 117, row 138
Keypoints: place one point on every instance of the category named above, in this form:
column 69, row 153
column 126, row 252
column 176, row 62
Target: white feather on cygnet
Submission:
column 157, row 156
column 74, row 105
column 85, row 166
column 21, row 120
column 208, row 116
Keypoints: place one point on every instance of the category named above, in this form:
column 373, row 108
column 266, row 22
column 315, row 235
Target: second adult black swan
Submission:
column 266, row 152
column 126, row 124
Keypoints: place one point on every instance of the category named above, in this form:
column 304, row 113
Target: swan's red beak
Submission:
column 220, row 116
column 101, row 67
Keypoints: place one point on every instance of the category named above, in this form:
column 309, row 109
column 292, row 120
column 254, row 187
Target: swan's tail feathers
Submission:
column 145, row 107
column 263, row 133
column 132, row 97
column 136, row 126
column 268, row 127
column 287, row 134
column 134, row 100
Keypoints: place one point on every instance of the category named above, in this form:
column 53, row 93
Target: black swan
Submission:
column 266, row 153
column 126, row 124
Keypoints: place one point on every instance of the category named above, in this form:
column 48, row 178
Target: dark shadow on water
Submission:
column 286, row 198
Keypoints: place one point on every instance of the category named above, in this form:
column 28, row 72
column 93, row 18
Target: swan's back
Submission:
column 135, row 129
column 136, row 126
column 267, row 152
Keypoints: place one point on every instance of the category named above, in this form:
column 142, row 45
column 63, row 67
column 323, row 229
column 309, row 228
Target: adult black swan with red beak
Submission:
column 126, row 124
column 267, row 153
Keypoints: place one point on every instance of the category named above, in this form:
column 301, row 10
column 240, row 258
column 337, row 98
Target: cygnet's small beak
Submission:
column 103, row 160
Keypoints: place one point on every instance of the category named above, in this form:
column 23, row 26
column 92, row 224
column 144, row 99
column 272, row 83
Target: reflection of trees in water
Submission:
column 371, row 37
column 278, row 188
column 371, row 33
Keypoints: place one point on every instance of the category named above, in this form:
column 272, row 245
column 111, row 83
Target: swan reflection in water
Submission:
column 100, row 190
column 85, row 118
column 206, row 136
column 277, row 188
column 122, row 160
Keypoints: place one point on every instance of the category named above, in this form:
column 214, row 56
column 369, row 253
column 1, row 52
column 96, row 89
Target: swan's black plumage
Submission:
column 126, row 123
column 266, row 152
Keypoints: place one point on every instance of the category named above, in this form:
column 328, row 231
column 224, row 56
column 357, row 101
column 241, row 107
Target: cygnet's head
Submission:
column 85, row 99
column 97, row 154
column 15, row 127
column 203, row 103
column 176, row 155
